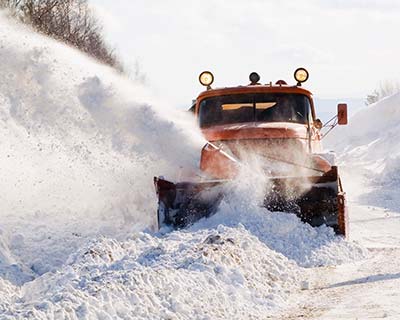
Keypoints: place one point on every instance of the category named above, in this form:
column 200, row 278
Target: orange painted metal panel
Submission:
column 253, row 130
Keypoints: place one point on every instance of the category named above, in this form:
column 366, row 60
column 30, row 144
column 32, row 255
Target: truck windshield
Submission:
column 262, row 107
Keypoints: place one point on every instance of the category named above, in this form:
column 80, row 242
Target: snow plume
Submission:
column 80, row 145
column 283, row 232
column 74, row 136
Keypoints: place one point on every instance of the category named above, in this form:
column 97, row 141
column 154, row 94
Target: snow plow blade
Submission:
column 317, row 200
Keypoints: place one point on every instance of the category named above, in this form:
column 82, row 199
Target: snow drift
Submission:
column 80, row 147
column 184, row 275
column 370, row 132
column 370, row 153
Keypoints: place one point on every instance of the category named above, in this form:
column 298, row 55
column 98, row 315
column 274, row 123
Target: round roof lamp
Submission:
column 254, row 78
column 301, row 75
column 206, row 78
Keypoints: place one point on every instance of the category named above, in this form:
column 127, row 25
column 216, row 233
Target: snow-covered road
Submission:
column 367, row 289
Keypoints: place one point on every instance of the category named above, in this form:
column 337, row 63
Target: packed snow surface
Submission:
column 80, row 145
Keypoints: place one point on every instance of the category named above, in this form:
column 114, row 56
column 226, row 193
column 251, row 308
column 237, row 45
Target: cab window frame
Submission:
column 254, row 99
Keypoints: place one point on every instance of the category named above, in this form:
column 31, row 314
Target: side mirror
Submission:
column 318, row 124
column 342, row 114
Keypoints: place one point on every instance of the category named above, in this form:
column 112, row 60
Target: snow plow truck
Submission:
column 278, row 124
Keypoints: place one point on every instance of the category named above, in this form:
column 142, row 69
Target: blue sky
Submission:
column 349, row 46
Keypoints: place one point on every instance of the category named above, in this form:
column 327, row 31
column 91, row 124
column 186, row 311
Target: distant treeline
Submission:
column 385, row 89
column 70, row 21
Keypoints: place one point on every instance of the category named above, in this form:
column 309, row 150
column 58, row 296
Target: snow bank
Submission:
column 370, row 153
column 227, row 273
column 371, row 132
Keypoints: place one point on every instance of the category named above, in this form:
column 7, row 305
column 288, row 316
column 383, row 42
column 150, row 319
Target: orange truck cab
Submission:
column 275, row 124
column 273, row 121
